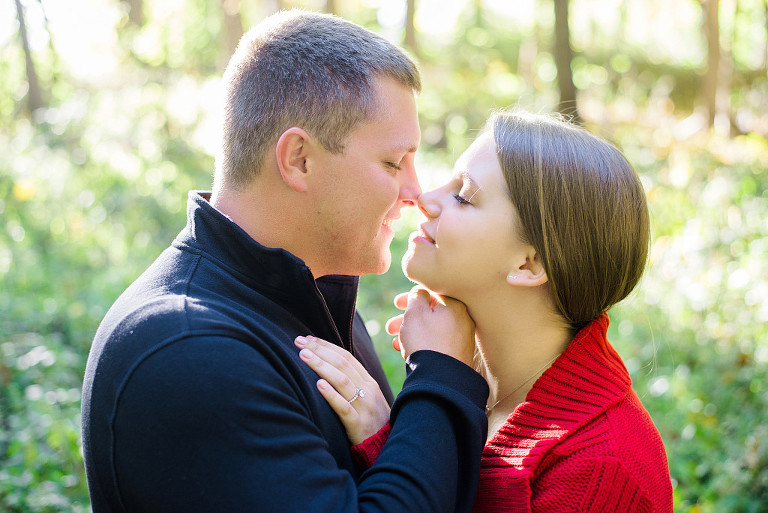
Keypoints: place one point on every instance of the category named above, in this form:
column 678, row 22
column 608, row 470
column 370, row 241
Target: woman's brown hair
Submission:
column 581, row 206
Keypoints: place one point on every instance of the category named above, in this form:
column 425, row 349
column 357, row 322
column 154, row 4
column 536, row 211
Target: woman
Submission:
column 542, row 229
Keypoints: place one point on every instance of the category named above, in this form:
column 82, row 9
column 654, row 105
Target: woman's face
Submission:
column 469, row 241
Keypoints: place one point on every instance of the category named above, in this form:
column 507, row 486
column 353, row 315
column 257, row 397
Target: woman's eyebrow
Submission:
column 465, row 176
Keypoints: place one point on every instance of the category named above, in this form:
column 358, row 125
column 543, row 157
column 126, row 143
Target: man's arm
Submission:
column 211, row 424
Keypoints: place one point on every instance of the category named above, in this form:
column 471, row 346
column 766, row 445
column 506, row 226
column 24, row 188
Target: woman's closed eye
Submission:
column 465, row 195
column 461, row 199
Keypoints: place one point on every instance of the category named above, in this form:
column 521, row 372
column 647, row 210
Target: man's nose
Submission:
column 410, row 190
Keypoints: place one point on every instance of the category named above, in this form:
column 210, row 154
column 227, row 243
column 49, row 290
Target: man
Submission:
column 195, row 398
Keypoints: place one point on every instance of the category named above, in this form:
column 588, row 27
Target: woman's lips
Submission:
column 423, row 236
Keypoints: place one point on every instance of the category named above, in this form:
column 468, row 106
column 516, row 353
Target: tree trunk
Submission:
column 135, row 12
column 270, row 7
column 233, row 27
column 34, row 95
column 623, row 22
column 563, row 58
column 712, row 34
column 330, row 6
column 765, row 53
column 722, row 121
column 410, row 28
column 529, row 50
column 479, row 14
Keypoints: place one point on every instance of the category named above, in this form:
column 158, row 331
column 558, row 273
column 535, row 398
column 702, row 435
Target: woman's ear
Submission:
column 291, row 152
column 529, row 274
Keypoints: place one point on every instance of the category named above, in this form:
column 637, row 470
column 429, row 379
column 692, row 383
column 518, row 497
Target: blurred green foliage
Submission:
column 93, row 186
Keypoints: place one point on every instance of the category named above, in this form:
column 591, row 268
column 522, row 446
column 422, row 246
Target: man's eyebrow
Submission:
column 404, row 146
column 407, row 148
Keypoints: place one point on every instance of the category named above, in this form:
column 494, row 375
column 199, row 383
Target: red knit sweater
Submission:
column 581, row 442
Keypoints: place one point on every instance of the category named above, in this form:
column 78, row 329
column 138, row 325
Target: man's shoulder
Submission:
column 175, row 299
column 154, row 303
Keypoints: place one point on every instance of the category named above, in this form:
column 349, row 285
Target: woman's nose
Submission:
column 429, row 205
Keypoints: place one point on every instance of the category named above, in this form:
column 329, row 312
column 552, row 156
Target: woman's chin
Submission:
column 410, row 268
column 410, row 276
column 412, row 273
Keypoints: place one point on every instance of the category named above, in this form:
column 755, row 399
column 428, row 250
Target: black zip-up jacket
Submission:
column 195, row 399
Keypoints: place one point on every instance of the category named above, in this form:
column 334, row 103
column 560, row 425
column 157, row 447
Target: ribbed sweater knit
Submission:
column 580, row 442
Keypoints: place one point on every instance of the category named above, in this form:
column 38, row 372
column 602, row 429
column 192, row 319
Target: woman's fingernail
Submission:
column 300, row 341
column 322, row 384
column 306, row 354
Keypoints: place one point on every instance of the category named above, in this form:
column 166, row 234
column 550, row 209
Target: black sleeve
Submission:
column 210, row 424
column 438, row 433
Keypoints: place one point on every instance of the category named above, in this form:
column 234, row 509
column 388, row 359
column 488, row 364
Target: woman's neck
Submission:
column 518, row 337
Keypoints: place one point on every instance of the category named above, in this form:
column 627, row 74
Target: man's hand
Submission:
column 432, row 322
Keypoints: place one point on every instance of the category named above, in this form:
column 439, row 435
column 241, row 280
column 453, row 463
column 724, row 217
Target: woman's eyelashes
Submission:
column 461, row 199
column 465, row 195
column 466, row 189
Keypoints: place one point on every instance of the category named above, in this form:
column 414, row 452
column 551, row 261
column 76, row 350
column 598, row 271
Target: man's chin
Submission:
column 384, row 265
column 379, row 267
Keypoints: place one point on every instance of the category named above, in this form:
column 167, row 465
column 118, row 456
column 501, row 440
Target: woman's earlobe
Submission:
column 526, row 278
column 530, row 274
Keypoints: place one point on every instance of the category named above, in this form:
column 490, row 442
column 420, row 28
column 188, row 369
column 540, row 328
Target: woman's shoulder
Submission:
column 623, row 438
column 624, row 428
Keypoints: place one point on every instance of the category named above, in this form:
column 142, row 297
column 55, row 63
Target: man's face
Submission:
column 362, row 189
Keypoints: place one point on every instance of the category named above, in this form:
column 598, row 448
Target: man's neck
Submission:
column 272, row 219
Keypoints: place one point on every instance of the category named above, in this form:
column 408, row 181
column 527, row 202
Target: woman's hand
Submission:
column 433, row 322
column 352, row 393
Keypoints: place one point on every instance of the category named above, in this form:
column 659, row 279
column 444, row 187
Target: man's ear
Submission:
column 291, row 154
column 529, row 274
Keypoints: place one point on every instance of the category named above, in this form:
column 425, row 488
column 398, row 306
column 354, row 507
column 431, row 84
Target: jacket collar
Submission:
column 325, row 305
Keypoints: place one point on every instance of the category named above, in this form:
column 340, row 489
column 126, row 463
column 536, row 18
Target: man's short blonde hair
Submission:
column 299, row 68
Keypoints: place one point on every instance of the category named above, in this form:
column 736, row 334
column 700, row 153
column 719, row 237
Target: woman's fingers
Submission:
column 339, row 380
column 347, row 387
column 333, row 354
column 340, row 405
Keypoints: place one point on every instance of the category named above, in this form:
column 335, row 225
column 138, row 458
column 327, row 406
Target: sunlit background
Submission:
column 110, row 114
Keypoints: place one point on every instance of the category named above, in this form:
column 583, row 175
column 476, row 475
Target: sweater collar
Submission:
column 588, row 378
column 325, row 305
